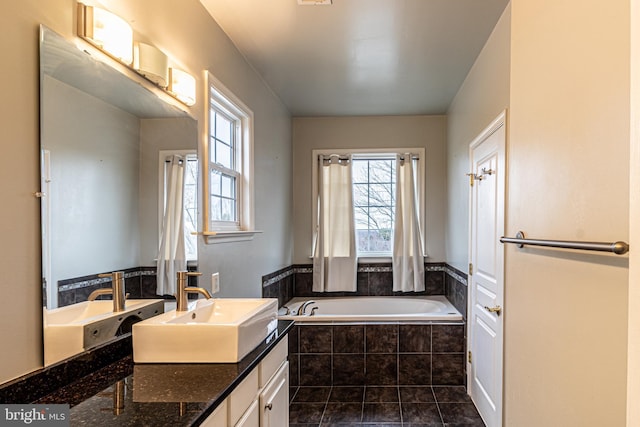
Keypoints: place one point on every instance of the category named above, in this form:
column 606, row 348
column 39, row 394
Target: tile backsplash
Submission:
column 139, row 282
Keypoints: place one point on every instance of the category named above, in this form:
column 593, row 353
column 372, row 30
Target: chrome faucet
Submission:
column 116, row 290
column 304, row 306
column 182, row 302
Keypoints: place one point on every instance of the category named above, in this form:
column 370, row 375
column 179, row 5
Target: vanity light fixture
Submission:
column 152, row 63
column 182, row 85
column 107, row 31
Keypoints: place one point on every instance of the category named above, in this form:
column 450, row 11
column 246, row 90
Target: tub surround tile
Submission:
column 381, row 369
column 348, row 369
column 448, row 369
column 315, row 369
column 434, row 282
column 381, row 284
column 348, row 339
column 381, row 338
column 448, row 339
column 415, row 338
column 414, row 369
column 315, row 339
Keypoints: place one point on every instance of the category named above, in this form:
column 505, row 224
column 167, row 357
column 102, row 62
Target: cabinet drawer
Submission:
column 242, row 396
column 273, row 360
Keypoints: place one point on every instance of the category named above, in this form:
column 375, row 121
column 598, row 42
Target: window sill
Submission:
column 213, row 237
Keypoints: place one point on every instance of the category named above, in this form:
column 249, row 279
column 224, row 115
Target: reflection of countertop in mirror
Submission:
column 158, row 394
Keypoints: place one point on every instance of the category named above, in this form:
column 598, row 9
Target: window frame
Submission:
column 373, row 153
column 229, row 105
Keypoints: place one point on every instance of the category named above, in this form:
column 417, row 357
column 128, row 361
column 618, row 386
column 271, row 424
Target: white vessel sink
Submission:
column 74, row 328
column 219, row 330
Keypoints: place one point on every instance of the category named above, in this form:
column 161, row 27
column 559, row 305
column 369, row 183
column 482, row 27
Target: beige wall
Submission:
column 185, row 30
column 633, row 360
column 483, row 95
column 310, row 133
column 565, row 312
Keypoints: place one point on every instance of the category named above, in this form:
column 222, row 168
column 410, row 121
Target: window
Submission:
column 224, row 171
column 374, row 203
column 228, row 214
column 190, row 194
column 374, row 188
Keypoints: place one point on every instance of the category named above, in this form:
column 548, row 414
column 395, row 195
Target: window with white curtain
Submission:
column 228, row 213
column 374, row 189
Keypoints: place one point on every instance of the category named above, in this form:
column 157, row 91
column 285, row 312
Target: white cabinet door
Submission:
column 218, row 418
column 274, row 400
column 251, row 418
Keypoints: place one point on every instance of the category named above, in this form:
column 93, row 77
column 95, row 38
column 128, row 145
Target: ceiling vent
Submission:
column 314, row 2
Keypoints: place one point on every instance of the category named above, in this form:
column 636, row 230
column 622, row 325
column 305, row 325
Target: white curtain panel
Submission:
column 334, row 258
column 408, row 256
column 171, row 256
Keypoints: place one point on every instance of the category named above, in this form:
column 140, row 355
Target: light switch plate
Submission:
column 215, row 283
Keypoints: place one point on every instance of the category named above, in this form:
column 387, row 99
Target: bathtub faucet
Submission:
column 304, row 306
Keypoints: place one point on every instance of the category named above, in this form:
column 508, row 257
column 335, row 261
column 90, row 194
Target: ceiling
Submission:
column 360, row 57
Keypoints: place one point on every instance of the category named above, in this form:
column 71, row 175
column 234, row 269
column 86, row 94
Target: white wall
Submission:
column 482, row 96
column 310, row 133
column 566, row 312
column 185, row 31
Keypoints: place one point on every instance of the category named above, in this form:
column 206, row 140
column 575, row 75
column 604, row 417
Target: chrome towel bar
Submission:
column 618, row 248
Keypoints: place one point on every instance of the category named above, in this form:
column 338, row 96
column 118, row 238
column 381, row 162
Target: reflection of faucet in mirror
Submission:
column 117, row 290
column 118, row 396
column 183, row 290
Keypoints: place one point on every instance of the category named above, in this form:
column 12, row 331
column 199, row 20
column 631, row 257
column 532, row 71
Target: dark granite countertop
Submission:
column 128, row 394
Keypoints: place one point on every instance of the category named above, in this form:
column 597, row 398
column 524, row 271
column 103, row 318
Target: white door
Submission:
column 486, row 278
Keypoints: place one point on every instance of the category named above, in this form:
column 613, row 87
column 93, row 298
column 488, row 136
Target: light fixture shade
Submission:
column 182, row 85
column 107, row 31
column 152, row 63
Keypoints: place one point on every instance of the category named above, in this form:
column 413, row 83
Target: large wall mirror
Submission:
column 108, row 142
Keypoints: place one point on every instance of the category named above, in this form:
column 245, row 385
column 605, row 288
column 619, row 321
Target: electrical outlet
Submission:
column 215, row 283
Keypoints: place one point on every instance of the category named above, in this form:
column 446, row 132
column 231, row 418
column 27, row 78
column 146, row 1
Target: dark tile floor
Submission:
column 377, row 406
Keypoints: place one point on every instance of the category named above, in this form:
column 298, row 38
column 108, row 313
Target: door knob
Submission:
column 497, row 309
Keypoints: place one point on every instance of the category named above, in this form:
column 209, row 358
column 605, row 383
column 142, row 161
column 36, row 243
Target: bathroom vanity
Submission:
column 252, row 392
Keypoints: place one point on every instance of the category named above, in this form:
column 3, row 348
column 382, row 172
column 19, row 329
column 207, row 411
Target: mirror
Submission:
column 105, row 135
